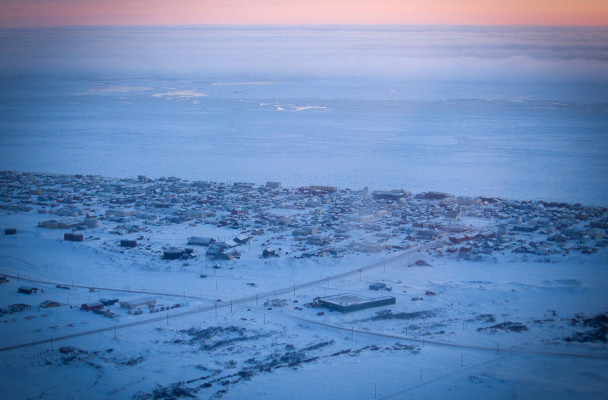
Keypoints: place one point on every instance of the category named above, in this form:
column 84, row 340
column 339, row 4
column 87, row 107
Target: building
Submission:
column 121, row 213
column 228, row 255
column 273, row 185
column 108, row 302
column 10, row 231
column 66, row 223
column 91, row 222
column 305, row 231
column 242, row 239
column 390, row 195
column 347, row 302
column 143, row 301
column 91, row 306
column 269, row 252
column 27, row 290
column 128, row 243
column 322, row 189
column 200, row 241
column 173, row 254
column 49, row 304
column 377, row 286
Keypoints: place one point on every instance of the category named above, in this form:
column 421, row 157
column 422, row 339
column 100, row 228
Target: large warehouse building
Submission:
column 348, row 302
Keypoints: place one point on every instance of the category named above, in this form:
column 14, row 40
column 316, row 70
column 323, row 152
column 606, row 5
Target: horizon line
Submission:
column 228, row 25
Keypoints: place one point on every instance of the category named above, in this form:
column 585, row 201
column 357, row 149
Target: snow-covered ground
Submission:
column 493, row 328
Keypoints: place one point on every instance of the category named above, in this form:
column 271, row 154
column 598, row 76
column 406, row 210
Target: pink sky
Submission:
column 25, row 13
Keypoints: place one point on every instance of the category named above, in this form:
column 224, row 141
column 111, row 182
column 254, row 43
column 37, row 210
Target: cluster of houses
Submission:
column 311, row 221
column 102, row 306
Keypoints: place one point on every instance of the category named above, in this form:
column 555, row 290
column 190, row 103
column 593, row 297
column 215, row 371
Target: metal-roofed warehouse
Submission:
column 347, row 302
column 144, row 301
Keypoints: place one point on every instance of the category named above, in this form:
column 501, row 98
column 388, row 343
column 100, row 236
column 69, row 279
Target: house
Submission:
column 49, row 304
column 242, row 239
column 213, row 251
column 143, row 301
column 91, row 306
column 200, row 241
column 459, row 239
column 318, row 240
column 228, row 244
column 173, row 254
column 228, row 255
column 27, row 290
column 269, row 252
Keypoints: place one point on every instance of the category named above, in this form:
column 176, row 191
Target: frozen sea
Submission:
column 516, row 112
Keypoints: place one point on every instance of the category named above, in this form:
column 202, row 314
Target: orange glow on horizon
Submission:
column 33, row 13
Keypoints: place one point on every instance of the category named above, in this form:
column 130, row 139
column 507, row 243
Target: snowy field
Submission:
column 495, row 328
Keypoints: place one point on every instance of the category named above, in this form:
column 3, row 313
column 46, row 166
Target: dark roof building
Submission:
column 347, row 302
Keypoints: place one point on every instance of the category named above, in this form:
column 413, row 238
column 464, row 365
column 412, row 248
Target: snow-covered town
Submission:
column 238, row 284
column 302, row 222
